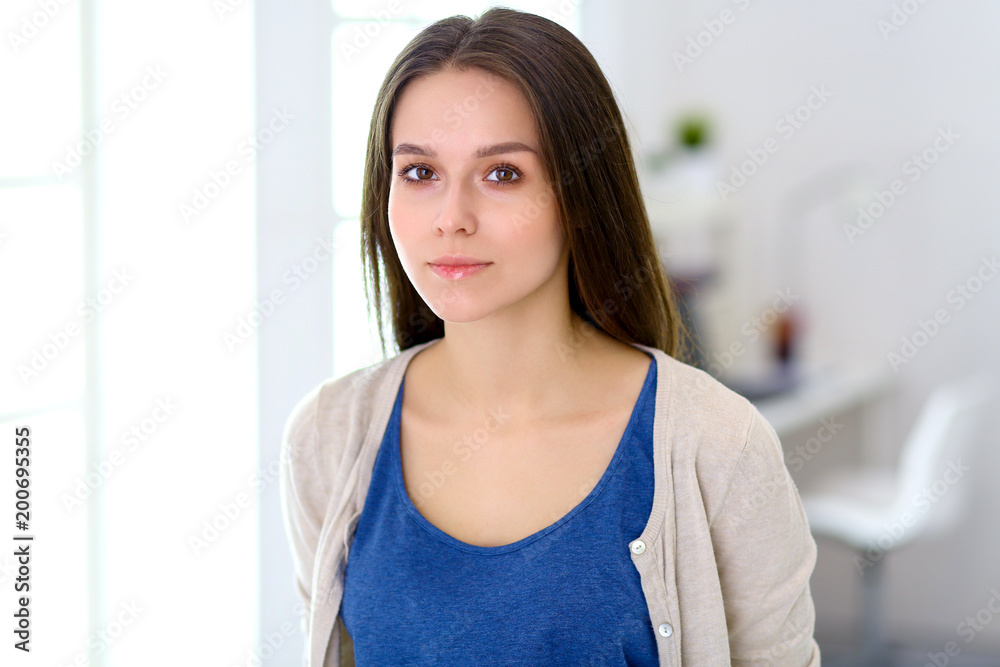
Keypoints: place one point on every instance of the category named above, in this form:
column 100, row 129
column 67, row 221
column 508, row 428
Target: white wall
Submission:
column 294, row 219
column 890, row 95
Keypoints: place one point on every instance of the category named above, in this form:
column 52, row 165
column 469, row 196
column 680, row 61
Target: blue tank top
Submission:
column 566, row 595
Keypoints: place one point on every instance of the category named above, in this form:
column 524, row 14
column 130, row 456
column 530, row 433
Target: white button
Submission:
column 666, row 630
column 638, row 547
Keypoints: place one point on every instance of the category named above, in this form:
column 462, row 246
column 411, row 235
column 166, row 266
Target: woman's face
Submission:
column 468, row 179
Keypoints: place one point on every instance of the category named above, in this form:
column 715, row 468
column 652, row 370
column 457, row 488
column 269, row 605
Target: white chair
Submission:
column 878, row 511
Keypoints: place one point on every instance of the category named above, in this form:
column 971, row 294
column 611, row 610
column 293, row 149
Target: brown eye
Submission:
column 417, row 173
column 504, row 175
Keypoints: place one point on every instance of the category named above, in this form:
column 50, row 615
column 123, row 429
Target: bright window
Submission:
column 115, row 314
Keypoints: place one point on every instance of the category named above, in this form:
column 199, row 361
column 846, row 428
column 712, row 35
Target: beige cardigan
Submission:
column 724, row 559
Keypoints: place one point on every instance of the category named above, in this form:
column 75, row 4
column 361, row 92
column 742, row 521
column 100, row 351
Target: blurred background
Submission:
column 179, row 264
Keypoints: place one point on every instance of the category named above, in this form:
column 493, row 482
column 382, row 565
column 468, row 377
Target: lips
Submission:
column 458, row 260
column 458, row 271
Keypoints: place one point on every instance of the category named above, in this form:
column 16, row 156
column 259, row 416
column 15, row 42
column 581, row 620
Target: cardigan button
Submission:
column 638, row 547
column 666, row 630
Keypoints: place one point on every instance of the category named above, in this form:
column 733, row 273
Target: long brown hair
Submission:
column 616, row 280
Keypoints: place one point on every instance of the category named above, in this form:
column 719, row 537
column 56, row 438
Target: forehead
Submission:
column 453, row 108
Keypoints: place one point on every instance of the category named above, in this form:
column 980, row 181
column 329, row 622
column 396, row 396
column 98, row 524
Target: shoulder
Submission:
column 701, row 410
column 329, row 423
column 715, row 431
column 702, row 402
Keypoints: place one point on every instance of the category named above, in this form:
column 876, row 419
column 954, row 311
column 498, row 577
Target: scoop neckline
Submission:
column 422, row 521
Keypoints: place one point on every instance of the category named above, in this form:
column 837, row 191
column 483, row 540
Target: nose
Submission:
column 457, row 209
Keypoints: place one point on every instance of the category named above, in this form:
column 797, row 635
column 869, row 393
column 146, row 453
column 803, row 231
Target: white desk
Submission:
column 826, row 391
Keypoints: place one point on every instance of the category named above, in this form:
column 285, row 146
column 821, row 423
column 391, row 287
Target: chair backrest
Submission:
column 936, row 450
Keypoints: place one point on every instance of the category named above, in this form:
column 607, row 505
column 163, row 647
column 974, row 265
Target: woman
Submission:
column 537, row 478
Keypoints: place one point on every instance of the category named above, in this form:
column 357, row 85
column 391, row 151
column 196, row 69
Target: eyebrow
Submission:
column 486, row 151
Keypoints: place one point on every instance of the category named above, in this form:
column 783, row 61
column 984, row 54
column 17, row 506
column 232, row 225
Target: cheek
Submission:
column 399, row 228
column 392, row 209
column 540, row 212
column 536, row 249
column 543, row 237
column 405, row 209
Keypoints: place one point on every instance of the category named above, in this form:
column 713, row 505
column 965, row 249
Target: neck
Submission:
column 529, row 365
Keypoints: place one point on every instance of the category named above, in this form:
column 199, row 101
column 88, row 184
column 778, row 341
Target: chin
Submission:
column 459, row 314
column 458, row 306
